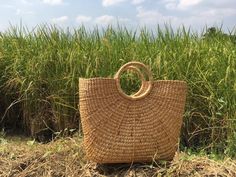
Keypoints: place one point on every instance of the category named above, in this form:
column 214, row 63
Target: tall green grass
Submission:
column 39, row 72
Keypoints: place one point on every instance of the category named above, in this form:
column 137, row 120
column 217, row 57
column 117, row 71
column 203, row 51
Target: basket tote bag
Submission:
column 119, row 128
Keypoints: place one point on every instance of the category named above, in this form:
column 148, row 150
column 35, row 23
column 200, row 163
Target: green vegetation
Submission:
column 39, row 72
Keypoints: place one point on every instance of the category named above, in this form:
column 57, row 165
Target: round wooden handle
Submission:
column 143, row 91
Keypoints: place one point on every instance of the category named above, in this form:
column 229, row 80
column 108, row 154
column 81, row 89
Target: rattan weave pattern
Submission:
column 119, row 130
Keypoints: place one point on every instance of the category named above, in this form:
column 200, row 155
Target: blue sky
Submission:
column 131, row 13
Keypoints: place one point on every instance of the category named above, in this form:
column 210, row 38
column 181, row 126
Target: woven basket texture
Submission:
column 124, row 129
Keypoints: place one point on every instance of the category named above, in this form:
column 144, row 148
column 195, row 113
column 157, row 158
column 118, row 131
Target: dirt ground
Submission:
column 20, row 156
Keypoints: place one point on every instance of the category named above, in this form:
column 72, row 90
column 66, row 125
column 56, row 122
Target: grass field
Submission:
column 21, row 156
column 40, row 69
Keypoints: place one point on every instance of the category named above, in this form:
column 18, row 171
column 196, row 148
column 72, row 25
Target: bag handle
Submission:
column 142, row 78
column 146, row 85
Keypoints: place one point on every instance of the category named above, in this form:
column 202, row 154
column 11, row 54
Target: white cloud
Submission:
column 53, row 2
column 147, row 15
column 105, row 20
column 181, row 4
column 198, row 13
column 198, row 4
column 136, row 2
column 60, row 20
column 122, row 20
column 111, row 2
column 217, row 13
column 18, row 11
column 170, row 4
column 108, row 20
column 83, row 19
column 7, row 6
column 26, row 2
column 220, row 3
column 196, row 18
column 106, row 3
column 184, row 4
column 153, row 17
column 23, row 12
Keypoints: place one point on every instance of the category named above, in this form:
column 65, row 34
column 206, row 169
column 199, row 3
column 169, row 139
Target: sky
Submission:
column 196, row 14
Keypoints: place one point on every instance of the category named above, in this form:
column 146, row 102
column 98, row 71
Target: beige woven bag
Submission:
column 121, row 129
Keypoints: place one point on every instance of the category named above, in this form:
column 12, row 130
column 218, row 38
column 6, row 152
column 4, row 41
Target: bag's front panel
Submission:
column 117, row 129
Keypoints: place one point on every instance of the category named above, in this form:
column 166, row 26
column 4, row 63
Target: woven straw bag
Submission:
column 142, row 127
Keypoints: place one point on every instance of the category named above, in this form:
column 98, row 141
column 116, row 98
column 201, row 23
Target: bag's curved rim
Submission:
column 105, row 78
column 143, row 91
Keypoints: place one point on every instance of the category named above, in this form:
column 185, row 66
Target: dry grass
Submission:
column 23, row 157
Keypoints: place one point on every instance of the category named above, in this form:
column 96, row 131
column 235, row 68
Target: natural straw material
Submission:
column 119, row 128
